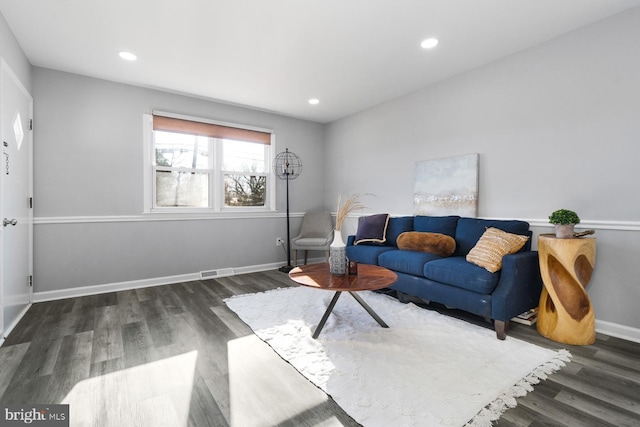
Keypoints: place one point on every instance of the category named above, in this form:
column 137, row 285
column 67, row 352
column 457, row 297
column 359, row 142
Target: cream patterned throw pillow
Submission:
column 492, row 246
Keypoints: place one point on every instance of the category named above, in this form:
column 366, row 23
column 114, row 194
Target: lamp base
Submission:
column 286, row 268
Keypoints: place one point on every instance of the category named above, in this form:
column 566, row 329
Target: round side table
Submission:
column 565, row 313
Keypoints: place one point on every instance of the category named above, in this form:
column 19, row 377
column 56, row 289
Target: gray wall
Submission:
column 89, row 188
column 12, row 53
column 556, row 126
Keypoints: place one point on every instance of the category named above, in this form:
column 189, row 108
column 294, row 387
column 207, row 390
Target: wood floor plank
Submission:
column 585, row 385
column 107, row 334
column 129, row 308
column 62, row 306
column 107, row 299
column 138, row 345
column 39, row 360
column 35, row 390
column 202, row 288
column 73, row 365
column 11, row 357
column 28, row 326
column 204, row 410
column 603, row 411
column 105, row 367
column 628, row 361
column 232, row 321
column 553, row 412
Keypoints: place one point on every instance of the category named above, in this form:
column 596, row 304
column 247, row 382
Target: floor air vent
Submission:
column 211, row 274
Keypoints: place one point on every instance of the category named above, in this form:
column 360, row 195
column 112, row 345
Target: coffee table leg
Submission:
column 369, row 310
column 326, row 315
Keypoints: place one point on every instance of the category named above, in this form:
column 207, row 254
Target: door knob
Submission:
column 6, row 222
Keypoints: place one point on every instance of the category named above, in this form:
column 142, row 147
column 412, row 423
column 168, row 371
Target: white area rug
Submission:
column 426, row 369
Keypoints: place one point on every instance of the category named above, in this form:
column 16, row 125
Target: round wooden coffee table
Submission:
column 369, row 278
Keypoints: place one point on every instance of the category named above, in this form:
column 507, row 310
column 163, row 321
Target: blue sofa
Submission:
column 452, row 280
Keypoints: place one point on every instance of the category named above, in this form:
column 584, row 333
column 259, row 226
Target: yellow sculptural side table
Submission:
column 565, row 313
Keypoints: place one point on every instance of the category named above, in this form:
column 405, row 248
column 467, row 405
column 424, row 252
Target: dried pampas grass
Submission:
column 344, row 209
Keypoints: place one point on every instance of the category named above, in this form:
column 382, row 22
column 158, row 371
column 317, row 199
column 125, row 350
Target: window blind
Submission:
column 170, row 124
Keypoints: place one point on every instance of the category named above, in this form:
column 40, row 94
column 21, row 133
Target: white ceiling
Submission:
column 276, row 54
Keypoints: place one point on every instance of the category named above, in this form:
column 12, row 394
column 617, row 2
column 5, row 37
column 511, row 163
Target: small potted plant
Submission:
column 564, row 220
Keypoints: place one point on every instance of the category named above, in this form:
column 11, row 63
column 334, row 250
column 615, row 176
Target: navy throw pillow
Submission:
column 372, row 229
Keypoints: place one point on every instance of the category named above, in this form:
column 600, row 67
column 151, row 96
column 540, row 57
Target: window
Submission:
column 199, row 165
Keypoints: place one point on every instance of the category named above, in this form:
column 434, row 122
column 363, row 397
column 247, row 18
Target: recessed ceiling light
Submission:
column 314, row 101
column 128, row 56
column 429, row 43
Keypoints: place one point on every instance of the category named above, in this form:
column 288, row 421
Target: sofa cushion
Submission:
column 457, row 271
column 372, row 229
column 367, row 254
column 436, row 224
column 492, row 246
column 469, row 231
column 397, row 226
column 409, row 262
column 435, row 243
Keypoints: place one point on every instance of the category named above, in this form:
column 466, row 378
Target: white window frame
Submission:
column 216, row 181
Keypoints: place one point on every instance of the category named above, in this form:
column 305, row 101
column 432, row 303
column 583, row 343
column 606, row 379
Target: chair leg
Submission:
column 306, row 253
column 295, row 257
column 326, row 256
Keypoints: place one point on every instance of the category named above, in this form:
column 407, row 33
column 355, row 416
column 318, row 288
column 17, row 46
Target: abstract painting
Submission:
column 447, row 186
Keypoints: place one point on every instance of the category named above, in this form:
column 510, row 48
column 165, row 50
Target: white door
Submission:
column 16, row 231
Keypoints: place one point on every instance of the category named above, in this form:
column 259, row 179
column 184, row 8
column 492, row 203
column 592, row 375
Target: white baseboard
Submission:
column 144, row 283
column 112, row 287
column 13, row 324
column 619, row 331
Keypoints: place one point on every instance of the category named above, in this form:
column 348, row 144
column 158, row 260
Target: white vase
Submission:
column 337, row 254
column 564, row 231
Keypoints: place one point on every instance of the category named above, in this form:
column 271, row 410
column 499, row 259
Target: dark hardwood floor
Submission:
column 174, row 355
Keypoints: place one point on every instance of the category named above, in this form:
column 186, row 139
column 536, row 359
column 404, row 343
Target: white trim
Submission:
column 226, row 215
column 595, row 224
column 271, row 183
column 148, row 183
column 13, row 324
column 112, row 287
column 619, row 331
column 144, row 283
column 544, row 222
column 163, row 217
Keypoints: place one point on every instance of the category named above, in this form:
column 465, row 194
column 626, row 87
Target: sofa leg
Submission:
column 501, row 328
column 403, row 298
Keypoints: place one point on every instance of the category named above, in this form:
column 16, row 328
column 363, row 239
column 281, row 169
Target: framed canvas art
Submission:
column 447, row 186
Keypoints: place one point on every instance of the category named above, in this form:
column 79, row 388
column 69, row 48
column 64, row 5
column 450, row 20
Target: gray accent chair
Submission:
column 316, row 234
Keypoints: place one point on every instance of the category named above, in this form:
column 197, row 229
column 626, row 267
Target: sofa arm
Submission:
column 351, row 239
column 519, row 287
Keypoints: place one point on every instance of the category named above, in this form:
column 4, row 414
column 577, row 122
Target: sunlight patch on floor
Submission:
column 265, row 390
column 153, row 394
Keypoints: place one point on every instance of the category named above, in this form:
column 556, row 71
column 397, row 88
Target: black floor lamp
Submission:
column 287, row 166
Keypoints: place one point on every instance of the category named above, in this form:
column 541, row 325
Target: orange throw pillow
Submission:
column 435, row 243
